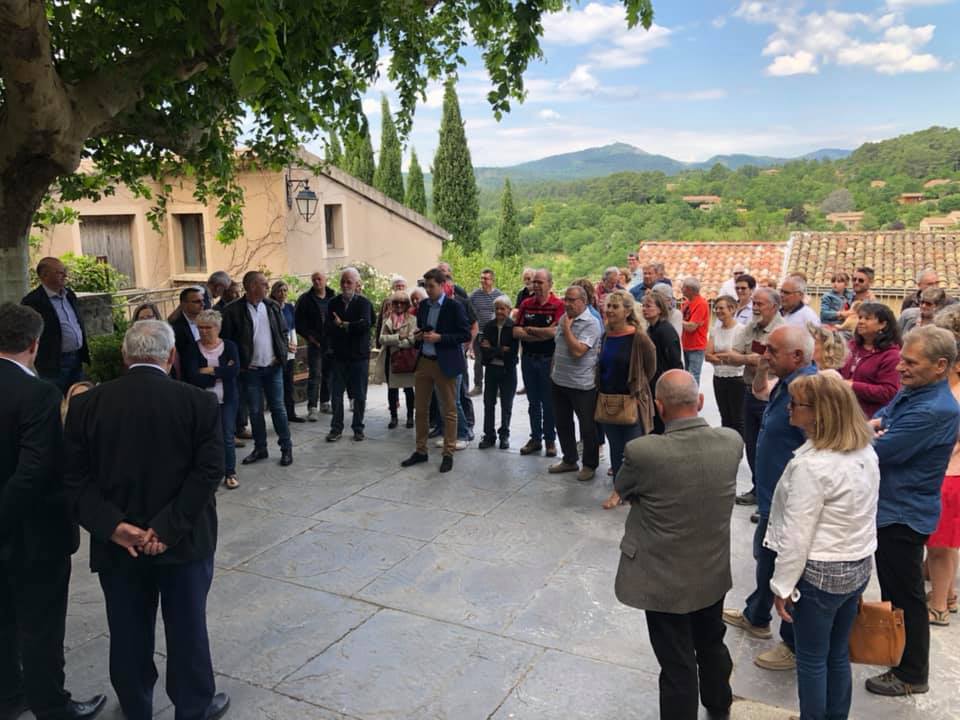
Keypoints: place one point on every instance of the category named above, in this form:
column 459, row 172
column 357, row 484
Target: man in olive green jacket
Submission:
column 675, row 560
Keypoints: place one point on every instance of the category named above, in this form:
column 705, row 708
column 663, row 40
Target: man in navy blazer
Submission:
column 442, row 329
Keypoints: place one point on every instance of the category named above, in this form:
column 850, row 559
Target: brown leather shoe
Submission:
column 551, row 450
column 531, row 447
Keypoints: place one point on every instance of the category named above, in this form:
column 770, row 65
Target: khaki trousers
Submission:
column 427, row 378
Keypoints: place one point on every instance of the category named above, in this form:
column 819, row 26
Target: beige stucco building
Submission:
column 353, row 223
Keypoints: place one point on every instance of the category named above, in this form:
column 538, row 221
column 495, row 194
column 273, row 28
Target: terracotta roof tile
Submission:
column 713, row 262
column 896, row 257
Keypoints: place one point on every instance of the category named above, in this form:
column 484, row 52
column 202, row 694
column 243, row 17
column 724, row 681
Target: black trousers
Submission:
column 478, row 366
column 568, row 402
column 132, row 598
column 899, row 559
column 729, row 394
column 692, row 656
column 502, row 381
column 288, row 389
column 752, row 418
column 33, row 613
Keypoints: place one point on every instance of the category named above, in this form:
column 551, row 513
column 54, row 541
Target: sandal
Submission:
column 231, row 482
column 938, row 617
column 612, row 501
column 609, row 472
column 953, row 603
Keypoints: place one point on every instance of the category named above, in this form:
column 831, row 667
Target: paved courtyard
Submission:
column 347, row 587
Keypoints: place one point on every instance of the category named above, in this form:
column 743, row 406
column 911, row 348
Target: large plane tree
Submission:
column 151, row 89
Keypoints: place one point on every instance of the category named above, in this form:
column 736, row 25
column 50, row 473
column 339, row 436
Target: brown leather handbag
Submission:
column 878, row 636
column 616, row 409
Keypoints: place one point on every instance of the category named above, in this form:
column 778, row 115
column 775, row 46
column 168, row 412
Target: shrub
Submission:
column 106, row 357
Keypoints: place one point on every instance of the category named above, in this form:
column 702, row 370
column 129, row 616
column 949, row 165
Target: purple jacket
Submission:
column 874, row 374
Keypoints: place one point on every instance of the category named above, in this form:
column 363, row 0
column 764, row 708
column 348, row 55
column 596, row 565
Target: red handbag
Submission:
column 403, row 362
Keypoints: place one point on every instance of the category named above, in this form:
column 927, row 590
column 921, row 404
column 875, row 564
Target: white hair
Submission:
column 612, row 270
column 418, row 292
column 797, row 339
column 351, row 271
column 926, row 271
column 209, row 316
column 692, row 283
column 503, row 301
column 148, row 341
column 772, row 295
column 394, row 279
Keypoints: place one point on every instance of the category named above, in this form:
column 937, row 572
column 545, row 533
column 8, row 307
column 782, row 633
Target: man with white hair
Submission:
column 788, row 355
column 144, row 459
column 349, row 318
column 696, row 320
column 926, row 278
column 610, row 282
column 675, row 552
column 795, row 311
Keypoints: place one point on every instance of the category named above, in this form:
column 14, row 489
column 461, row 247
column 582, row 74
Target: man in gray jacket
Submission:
column 675, row 560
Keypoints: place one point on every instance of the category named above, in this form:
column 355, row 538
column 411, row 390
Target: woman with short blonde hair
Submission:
column 829, row 347
column 823, row 527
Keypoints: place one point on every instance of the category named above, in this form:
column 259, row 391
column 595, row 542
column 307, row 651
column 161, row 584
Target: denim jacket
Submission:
column 831, row 304
column 921, row 430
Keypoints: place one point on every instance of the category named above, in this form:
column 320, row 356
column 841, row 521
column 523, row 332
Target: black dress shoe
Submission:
column 255, row 456
column 485, row 443
column 446, row 465
column 286, row 457
column 218, row 706
column 755, row 518
column 333, row 436
column 414, row 459
column 358, row 436
column 296, row 419
column 504, row 443
column 78, row 710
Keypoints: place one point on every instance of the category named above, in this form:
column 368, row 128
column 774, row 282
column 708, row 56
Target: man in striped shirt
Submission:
column 482, row 300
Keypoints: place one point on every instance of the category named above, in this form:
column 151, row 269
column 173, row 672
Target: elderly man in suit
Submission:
column 144, row 458
column 63, row 345
column 675, row 553
column 37, row 532
column 442, row 329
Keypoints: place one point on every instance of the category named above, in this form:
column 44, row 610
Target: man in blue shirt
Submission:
column 916, row 434
column 789, row 355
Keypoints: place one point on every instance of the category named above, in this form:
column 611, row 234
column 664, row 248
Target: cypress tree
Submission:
column 455, row 202
column 359, row 156
column 333, row 153
column 508, row 234
column 389, row 176
column 416, row 198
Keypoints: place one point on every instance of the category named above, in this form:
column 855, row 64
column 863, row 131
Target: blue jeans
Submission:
column 536, row 379
column 463, row 428
column 619, row 436
column 760, row 601
column 350, row 376
column 256, row 383
column 822, row 623
column 71, row 371
column 228, row 421
column 693, row 362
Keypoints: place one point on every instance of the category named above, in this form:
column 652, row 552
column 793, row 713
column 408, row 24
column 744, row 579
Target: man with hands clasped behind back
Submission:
column 142, row 482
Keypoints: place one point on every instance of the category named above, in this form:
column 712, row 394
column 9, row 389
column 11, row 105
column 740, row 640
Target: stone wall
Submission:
column 96, row 311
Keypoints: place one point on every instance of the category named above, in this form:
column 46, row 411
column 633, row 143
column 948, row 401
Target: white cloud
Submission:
column 903, row 4
column 631, row 49
column 802, row 43
column 580, row 27
column 548, row 114
column 694, row 95
column 719, row 22
column 580, row 80
column 371, row 106
column 800, row 63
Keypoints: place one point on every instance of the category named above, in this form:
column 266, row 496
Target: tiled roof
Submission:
column 713, row 262
column 702, row 198
column 896, row 257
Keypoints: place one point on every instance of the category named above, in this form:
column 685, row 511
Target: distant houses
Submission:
column 940, row 223
column 936, row 183
column 910, row 198
column 703, row 202
column 850, row 220
column 878, row 183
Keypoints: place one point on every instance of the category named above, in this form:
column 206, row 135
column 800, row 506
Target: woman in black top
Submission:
column 665, row 339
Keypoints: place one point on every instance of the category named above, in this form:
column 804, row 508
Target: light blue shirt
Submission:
column 433, row 315
column 71, row 336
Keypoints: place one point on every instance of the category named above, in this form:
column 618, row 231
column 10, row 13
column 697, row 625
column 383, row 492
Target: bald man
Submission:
column 63, row 344
column 679, row 572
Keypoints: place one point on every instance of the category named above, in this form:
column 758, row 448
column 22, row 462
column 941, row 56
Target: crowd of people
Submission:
column 848, row 418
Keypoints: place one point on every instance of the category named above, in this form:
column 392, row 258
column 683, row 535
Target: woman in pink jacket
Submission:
column 871, row 367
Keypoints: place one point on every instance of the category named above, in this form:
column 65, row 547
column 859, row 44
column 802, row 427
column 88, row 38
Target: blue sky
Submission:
column 777, row 77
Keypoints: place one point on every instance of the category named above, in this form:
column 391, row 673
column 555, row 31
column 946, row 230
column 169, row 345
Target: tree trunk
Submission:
column 20, row 196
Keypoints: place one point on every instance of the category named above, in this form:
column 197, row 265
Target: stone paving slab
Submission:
column 349, row 588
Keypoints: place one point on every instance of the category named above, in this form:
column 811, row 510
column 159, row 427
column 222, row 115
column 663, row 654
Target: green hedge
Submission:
column 106, row 358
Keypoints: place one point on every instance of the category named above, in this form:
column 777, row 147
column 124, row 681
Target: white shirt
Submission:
column 193, row 329
column 729, row 287
column 745, row 314
column 725, row 339
column 800, row 318
column 23, row 367
column 824, row 508
column 262, row 355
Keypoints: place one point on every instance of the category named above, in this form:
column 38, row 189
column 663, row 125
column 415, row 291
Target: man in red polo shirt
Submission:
column 536, row 328
column 696, row 319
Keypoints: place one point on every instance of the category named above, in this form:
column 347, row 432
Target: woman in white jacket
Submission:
column 823, row 528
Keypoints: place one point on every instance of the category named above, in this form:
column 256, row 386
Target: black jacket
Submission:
column 667, row 343
column 310, row 315
column 238, row 326
column 147, row 450
column 352, row 341
column 227, row 371
column 35, row 518
column 507, row 340
column 454, row 329
column 48, row 355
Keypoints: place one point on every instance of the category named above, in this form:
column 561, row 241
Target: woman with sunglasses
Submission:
column 396, row 336
column 823, row 527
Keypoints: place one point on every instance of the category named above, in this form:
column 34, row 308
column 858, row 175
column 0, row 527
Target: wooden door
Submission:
column 108, row 236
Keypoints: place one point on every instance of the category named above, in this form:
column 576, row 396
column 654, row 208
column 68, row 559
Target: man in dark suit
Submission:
column 675, row 553
column 442, row 329
column 310, row 317
column 184, row 326
column 37, row 532
column 144, row 458
column 63, row 345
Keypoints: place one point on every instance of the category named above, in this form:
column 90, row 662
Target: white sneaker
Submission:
column 461, row 445
column 438, row 442
column 312, row 415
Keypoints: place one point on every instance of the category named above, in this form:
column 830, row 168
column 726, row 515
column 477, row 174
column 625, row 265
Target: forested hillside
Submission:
column 585, row 225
